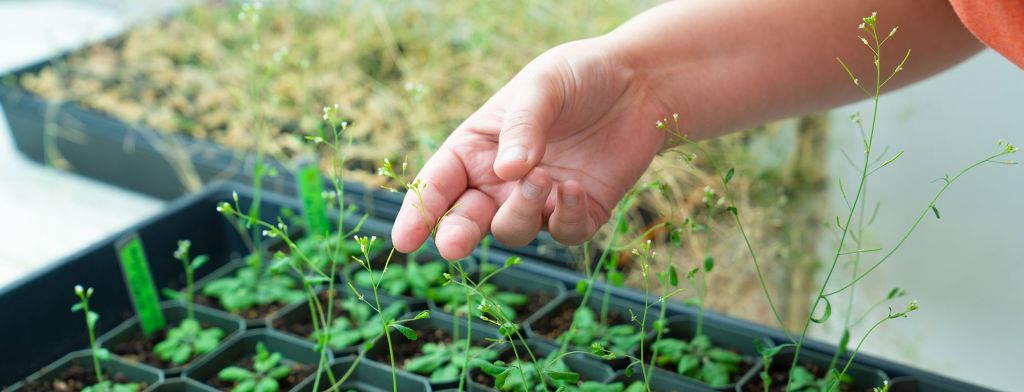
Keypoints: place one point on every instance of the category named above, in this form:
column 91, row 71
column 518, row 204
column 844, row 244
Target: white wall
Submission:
column 966, row 269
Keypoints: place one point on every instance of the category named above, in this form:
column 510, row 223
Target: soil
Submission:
column 779, row 373
column 536, row 300
column 72, row 379
column 254, row 313
column 298, row 374
column 560, row 320
column 302, row 326
column 139, row 348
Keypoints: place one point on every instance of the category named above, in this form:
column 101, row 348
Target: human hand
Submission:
column 555, row 148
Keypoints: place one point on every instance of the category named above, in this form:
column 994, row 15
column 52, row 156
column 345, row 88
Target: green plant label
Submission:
column 135, row 268
column 311, row 190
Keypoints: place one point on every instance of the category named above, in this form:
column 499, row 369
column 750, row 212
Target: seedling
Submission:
column 188, row 339
column 253, row 285
column 526, row 376
column 362, row 324
column 413, row 279
column 443, row 362
column 609, row 340
column 266, row 370
column 322, row 251
column 98, row 353
column 698, row 359
column 453, row 299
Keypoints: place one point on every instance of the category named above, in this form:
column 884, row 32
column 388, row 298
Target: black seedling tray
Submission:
column 38, row 327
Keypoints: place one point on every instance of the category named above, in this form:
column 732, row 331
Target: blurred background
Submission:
column 408, row 72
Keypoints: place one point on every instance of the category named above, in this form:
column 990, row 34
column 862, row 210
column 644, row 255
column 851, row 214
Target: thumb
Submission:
column 524, row 128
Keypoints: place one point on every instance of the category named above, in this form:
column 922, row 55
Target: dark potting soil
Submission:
column 535, row 301
column 302, row 326
column 254, row 313
column 557, row 322
column 139, row 348
column 73, row 379
column 298, row 374
column 779, row 372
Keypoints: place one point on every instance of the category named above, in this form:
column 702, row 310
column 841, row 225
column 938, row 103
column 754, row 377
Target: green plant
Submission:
column 266, row 370
column 98, row 353
column 446, row 361
column 618, row 339
column 414, row 278
column 360, row 325
column 453, row 299
column 698, row 359
column 188, row 339
column 322, row 251
column 253, row 285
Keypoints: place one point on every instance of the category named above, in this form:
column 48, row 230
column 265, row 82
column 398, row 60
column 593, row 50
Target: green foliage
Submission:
column 186, row 341
column 699, row 360
column 253, row 285
column 618, row 339
column 412, row 279
column 802, row 380
column 452, row 298
column 361, row 324
column 319, row 251
column 108, row 386
column 444, row 362
column 526, row 376
column 266, row 370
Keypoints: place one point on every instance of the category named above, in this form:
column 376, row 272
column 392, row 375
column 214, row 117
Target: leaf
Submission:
column 173, row 295
column 767, row 351
column 686, row 364
column 709, row 263
column 844, row 341
column 76, row 307
column 728, row 176
column 673, row 276
column 512, row 261
column 491, row 369
column 733, row 210
column 267, row 385
column 714, row 374
column 581, row 286
column 828, row 312
column 408, row 332
column 234, row 373
column 896, row 292
column 936, row 211
column 422, row 315
column 568, row 377
column 102, row 354
column 199, row 261
column 508, row 329
column 616, row 278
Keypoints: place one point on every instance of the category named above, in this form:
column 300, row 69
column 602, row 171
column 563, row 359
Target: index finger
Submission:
column 442, row 180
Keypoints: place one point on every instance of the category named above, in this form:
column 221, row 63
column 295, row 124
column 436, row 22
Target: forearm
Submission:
column 726, row 65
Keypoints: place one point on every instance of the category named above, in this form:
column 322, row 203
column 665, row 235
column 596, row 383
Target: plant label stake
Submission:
column 311, row 190
column 135, row 268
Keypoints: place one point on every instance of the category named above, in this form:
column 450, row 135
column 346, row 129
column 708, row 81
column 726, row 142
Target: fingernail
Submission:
column 529, row 190
column 570, row 200
column 514, row 154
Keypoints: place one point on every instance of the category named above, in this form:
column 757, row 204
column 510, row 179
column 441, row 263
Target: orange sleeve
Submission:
column 997, row 23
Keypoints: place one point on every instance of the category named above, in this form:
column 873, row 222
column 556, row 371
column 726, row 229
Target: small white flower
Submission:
column 79, row 290
column 893, row 32
column 864, row 40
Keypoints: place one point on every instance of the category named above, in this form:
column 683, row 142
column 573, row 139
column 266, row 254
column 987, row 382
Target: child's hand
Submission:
column 556, row 148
